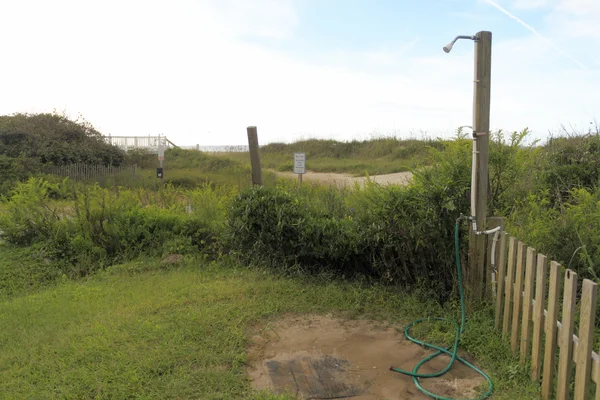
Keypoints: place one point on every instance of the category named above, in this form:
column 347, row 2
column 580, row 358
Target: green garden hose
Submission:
column 439, row 350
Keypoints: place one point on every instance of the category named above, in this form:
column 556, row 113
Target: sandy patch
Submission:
column 366, row 349
column 399, row 178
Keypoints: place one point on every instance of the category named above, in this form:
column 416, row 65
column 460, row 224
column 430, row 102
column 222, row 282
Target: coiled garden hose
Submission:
column 439, row 350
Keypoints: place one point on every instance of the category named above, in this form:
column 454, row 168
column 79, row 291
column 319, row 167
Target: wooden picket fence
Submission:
column 527, row 305
column 89, row 172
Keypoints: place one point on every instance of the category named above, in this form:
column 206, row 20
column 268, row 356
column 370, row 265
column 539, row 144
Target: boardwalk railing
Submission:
column 527, row 309
column 217, row 149
column 89, row 172
column 148, row 143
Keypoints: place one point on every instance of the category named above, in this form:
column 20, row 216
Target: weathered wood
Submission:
column 254, row 156
column 551, row 331
column 538, row 317
column 512, row 249
column 565, row 360
column 481, row 126
column 322, row 378
column 501, row 278
column 517, row 298
column 587, row 317
column 527, row 305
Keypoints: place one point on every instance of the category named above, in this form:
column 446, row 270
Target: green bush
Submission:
column 278, row 225
column 571, row 162
column 31, row 215
column 55, row 139
column 397, row 235
column 101, row 226
column 569, row 234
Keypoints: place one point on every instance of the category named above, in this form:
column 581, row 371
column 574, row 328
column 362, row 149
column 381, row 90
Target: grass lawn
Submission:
column 146, row 331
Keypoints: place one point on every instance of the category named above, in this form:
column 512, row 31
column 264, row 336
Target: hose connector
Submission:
column 461, row 217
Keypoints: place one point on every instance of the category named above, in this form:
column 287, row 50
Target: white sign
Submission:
column 299, row 163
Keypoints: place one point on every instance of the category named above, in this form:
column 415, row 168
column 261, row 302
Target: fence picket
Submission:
column 565, row 360
column 538, row 317
column 551, row 331
column 527, row 305
column 587, row 318
column 501, row 277
column 509, row 285
column 517, row 297
column 87, row 172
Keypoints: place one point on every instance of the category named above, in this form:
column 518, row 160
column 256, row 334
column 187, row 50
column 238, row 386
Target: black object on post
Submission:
column 159, row 172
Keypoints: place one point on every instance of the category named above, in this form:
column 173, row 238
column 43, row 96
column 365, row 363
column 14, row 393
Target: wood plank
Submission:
column 565, row 360
column 501, row 277
column 517, row 299
column 282, row 377
column 595, row 356
column 527, row 303
column 587, row 318
column 306, row 380
column 538, row 317
column 509, row 284
column 551, row 331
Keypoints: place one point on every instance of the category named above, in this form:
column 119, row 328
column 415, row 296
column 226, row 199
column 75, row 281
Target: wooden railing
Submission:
column 527, row 304
column 148, row 143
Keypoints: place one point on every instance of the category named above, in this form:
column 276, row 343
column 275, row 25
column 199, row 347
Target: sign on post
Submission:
column 299, row 163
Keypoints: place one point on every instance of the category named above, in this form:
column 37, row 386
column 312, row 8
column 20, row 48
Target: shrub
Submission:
column 394, row 234
column 30, row 216
column 55, row 139
column 569, row 234
column 569, row 163
column 101, row 227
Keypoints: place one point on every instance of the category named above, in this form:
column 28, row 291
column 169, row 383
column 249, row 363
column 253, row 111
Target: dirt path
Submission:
column 326, row 358
column 398, row 178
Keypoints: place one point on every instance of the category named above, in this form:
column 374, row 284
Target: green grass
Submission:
column 22, row 271
column 376, row 156
column 144, row 331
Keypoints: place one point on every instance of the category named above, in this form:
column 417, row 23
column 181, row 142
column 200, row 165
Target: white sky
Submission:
column 202, row 71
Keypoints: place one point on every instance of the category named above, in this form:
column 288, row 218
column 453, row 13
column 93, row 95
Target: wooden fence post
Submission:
column 254, row 156
column 565, row 360
column 517, row 299
column 587, row 317
column 501, row 277
column 527, row 305
column 538, row 317
column 510, row 274
column 481, row 127
column 551, row 330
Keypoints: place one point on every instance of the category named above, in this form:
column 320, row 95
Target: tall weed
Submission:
column 102, row 226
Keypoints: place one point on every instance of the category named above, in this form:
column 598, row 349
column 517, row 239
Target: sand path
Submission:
column 398, row 178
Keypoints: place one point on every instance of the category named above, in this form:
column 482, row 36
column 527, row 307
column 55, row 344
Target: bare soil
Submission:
column 398, row 178
column 369, row 348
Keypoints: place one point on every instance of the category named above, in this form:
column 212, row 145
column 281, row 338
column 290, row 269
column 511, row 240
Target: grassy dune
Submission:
column 377, row 156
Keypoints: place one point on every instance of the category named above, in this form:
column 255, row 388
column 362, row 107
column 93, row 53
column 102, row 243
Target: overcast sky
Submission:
column 201, row 71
